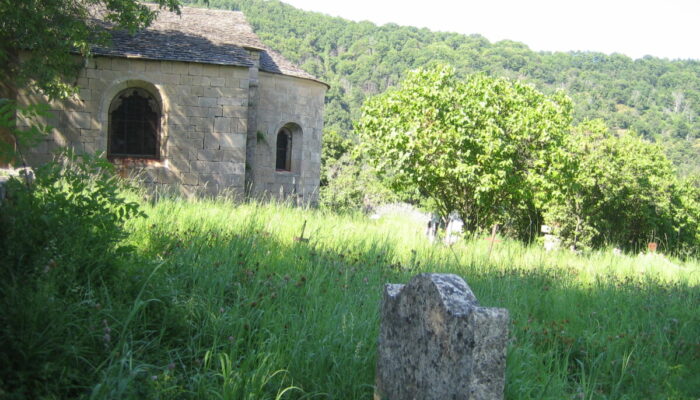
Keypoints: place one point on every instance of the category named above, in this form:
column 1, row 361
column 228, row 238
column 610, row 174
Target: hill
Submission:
column 658, row 98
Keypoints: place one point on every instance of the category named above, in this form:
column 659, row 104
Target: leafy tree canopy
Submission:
column 619, row 189
column 53, row 30
column 655, row 97
column 477, row 146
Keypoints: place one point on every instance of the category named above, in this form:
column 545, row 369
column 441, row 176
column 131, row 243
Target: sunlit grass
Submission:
column 215, row 300
column 256, row 311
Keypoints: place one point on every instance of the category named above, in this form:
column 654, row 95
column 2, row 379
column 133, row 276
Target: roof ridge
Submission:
column 201, row 35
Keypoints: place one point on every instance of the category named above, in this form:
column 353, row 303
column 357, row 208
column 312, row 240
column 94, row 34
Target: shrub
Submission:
column 68, row 221
column 618, row 189
column 353, row 185
column 59, row 245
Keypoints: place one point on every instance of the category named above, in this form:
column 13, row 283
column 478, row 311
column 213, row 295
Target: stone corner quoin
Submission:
column 220, row 97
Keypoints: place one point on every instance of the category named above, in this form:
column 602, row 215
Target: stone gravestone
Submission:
column 437, row 343
column 454, row 229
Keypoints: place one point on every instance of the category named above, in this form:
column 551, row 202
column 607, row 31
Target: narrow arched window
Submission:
column 134, row 127
column 284, row 150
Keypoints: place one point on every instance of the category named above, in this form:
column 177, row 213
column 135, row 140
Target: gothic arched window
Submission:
column 283, row 161
column 134, row 125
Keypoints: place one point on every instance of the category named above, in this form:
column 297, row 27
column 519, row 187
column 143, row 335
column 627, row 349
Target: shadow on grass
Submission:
column 313, row 311
column 241, row 310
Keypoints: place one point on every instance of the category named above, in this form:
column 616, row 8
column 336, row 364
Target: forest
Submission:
column 657, row 98
column 626, row 132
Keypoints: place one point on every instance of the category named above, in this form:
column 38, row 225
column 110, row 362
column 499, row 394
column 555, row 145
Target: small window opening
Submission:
column 284, row 151
column 134, row 125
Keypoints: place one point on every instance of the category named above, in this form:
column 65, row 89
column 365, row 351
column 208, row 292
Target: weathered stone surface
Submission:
column 214, row 122
column 437, row 343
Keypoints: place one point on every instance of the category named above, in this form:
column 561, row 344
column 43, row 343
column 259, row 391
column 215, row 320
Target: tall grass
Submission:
column 286, row 314
column 224, row 301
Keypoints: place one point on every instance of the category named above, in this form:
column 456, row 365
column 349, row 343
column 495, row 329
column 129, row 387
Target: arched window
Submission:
column 284, row 150
column 134, row 125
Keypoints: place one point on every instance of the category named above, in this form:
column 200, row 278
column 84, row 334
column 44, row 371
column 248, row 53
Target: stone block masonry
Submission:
column 284, row 101
column 198, row 141
column 437, row 343
column 216, row 132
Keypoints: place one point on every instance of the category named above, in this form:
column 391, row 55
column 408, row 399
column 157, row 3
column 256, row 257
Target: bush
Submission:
column 68, row 221
column 352, row 185
column 59, row 245
column 620, row 190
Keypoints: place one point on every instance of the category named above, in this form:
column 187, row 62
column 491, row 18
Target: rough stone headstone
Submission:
column 434, row 222
column 454, row 229
column 431, row 231
column 437, row 343
column 551, row 242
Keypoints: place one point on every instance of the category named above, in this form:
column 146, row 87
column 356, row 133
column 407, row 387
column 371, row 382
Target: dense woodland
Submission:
column 657, row 98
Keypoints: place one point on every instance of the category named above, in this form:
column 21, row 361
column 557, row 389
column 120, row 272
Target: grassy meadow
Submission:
column 220, row 301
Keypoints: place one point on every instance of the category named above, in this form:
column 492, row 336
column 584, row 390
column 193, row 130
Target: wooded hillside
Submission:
column 657, row 98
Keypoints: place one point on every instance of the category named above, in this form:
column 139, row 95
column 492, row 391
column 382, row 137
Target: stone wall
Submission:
column 218, row 130
column 203, row 120
column 297, row 104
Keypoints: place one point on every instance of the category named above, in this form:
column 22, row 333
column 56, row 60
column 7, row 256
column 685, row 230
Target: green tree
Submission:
column 52, row 31
column 657, row 98
column 478, row 146
column 350, row 186
column 621, row 190
column 39, row 42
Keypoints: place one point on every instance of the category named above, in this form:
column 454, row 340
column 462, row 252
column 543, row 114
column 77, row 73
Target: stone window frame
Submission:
column 154, row 108
column 157, row 91
column 293, row 159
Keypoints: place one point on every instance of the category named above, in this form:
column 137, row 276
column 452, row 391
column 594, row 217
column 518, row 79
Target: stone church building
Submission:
column 195, row 103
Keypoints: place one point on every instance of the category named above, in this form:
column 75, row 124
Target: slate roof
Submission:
column 199, row 35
